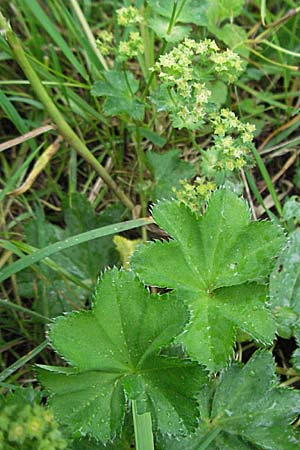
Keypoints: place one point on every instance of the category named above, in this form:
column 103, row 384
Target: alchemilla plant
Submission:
column 158, row 353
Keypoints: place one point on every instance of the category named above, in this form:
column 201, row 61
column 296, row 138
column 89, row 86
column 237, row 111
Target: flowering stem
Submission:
column 63, row 127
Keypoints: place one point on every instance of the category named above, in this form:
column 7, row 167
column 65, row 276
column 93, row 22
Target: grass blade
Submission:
column 22, row 361
column 57, row 38
column 28, row 260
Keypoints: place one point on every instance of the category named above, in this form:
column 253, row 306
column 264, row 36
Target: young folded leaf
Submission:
column 246, row 411
column 217, row 264
column 114, row 350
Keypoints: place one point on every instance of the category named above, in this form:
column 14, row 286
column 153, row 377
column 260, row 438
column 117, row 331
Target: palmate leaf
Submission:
column 217, row 264
column 114, row 353
column 246, row 410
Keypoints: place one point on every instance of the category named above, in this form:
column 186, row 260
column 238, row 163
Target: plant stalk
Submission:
column 61, row 124
column 142, row 429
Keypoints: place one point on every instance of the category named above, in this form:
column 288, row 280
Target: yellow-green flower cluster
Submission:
column 196, row 194
column 227, row 64
column 128, row 15
column 105, row 42
column 183, row 72
column 28, row 428
column 132, row 47
column 232, row 140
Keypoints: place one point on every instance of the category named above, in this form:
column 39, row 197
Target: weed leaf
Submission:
column 247, row 410
column 217, row 264
column 114, row 353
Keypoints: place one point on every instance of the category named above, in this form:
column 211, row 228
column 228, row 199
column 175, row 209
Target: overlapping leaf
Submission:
column 217, row 264
column 114, row 353
column 246, row 411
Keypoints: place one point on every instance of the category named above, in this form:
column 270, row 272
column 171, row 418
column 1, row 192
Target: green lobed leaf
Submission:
column 168, row 169
column 218, row 264
column 285, row 287
column 114, row 355
column 247, row 410
column 220, row 10
column 119, row 89
column 234, row 36
column 160, row 26
column 193, row 11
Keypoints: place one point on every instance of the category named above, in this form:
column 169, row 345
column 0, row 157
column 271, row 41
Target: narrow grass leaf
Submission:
column 27, row 261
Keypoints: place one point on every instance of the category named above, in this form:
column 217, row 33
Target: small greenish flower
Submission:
column 227, row 64
column 186, row 71
column 29, row 427
column 105, row 42
column 132, row 47
column 232, row 140
column 128, row 15
column 195, row 195
column 16, row 433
